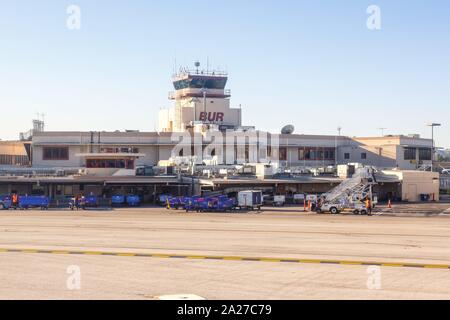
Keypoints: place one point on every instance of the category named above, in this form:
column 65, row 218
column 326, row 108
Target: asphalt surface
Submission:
column 280, row 233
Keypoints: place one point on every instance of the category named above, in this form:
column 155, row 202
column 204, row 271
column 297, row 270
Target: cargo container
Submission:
column 250, row 199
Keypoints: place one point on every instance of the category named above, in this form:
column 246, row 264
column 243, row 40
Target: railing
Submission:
column 217, row 73
column 172, row 95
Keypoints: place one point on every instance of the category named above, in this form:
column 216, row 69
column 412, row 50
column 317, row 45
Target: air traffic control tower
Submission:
column 200, row 100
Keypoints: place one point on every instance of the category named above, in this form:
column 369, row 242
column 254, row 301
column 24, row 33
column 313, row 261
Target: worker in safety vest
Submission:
column 15, row 200
column 368, row 203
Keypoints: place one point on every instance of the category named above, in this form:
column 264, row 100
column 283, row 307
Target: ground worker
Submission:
column 319, row 205
column 15, row 200
column 77, row 201
column 368, row 206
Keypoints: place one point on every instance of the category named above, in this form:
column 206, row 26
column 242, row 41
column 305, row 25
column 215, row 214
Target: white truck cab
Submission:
column 330, row 207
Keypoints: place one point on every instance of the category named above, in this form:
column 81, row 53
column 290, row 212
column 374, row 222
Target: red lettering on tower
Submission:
column 211, row 116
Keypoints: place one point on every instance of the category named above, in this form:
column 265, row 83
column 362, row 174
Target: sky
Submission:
column 314, row 64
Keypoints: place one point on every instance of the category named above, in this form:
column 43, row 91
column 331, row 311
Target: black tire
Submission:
column 363, row 212
column 334, row 210
column 355, row 212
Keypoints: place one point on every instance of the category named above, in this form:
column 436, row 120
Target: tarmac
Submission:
column 281, row 253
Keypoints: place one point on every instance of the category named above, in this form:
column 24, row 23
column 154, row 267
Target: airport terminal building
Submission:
column 201, row 123
column 126, row 150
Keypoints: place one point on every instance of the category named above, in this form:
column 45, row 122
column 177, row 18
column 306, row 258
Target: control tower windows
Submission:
column 200, row 83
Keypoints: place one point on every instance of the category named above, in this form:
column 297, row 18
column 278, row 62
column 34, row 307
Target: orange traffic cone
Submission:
column 389, row 204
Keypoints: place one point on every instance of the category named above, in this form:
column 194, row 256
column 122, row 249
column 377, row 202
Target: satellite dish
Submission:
column 289, row 129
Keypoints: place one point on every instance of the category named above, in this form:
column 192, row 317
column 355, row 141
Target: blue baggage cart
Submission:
column 225, row 204
column 133, row 200
column 207, row 204
column 91, row 202
column 26, row 202
column 178, row 202
column 118, row 200
column 192, row 203
column 163, row 198
column 210, row 204
column 5, row 202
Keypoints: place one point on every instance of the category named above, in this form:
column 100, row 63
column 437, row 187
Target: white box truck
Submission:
column 279, row 201
column 250, row 200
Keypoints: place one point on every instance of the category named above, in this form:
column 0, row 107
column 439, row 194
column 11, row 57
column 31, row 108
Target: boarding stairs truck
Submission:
column 350, row 194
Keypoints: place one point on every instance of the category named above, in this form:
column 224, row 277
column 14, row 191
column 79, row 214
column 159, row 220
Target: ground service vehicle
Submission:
column 5, row 202
column 162, row 199
column 330, row 207
column 118, row 200
column 359, row 208
column 26, row 202
column 91, row 202
column 350, row 193
column 250, row 199
column 279, row 201
column 133, row 200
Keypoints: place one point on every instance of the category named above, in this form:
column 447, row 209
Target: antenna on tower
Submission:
column 382, row 131
column 197, row 65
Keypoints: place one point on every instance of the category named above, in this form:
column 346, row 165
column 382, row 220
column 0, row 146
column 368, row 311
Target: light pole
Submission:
column 432, row 125
column 382, row 131
column 335, row 147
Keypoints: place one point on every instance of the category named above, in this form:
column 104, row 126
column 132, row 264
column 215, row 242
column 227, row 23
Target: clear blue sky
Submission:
column 310, row 63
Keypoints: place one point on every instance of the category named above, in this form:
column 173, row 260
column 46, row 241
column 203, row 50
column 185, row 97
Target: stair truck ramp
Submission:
column 350, row 194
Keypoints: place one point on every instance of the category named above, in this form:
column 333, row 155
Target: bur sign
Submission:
column 374, row 19
column 74, row 280
column 74, row 18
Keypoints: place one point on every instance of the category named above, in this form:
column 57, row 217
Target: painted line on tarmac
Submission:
column 229, row 258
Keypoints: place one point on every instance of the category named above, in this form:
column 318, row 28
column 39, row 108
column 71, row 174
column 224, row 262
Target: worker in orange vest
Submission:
column 15, row 200
column 369, row 206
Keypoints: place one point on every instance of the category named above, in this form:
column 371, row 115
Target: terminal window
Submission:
column 346, row 156
column 316, row 153
column 110, row 163
column 363, row 155
column 410, row 154
column 55, row 153
column 424, row 154
column 283, row 154
column 7, row 159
